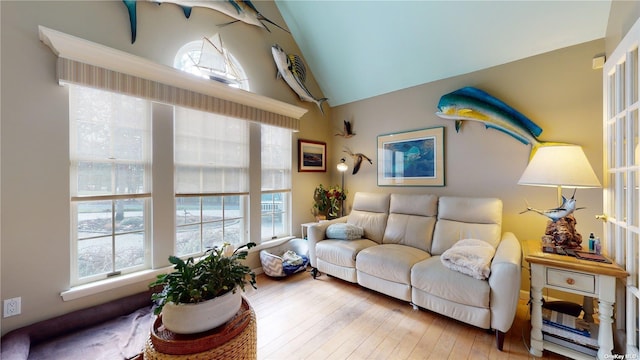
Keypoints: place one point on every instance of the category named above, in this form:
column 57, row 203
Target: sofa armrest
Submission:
column 318, row 232
column 504, row 281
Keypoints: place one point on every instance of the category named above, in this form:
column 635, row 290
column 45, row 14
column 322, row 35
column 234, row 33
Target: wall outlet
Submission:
column 12, row 306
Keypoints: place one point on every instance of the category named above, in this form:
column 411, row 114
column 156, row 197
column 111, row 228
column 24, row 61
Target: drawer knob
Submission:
column 570, row 281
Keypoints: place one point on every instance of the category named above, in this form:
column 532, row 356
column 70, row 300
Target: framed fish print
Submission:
column 312, row 156
column 412, row 158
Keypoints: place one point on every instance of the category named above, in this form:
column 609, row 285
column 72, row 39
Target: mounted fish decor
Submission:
column 241, row 10
column 292, row 70
column 347, row 131
column 473, row 104
column 357, row 159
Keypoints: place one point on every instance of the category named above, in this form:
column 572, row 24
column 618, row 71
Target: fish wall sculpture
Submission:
column 471, row 104
column 240, row 10
column 292, row 70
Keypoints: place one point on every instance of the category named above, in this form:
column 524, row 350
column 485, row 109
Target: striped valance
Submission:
column 86, row 63
column 88, row 75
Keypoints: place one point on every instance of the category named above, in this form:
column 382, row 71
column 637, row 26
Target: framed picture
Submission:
column 312, row 156
column 412, row 158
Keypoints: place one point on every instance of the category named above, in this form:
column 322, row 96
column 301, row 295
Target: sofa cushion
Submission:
column 390, row 261
column 370, row 211
column 342, row 253
column 344, row 231
column 411, row 220
column 460, row 218
column 432, row 277
column 414, row 204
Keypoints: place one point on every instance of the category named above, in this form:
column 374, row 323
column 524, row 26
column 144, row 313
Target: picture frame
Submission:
column 411, row 158
column 312, row 156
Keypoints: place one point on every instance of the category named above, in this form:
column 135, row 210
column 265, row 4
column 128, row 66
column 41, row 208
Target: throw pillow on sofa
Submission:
column 344, row 231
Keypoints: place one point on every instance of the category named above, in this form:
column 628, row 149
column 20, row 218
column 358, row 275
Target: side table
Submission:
column 304, row 228
column 569, row 274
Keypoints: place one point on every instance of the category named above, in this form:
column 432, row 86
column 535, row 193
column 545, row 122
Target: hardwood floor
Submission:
column 327, row 318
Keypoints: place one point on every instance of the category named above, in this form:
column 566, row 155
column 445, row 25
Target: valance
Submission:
column 90, row 64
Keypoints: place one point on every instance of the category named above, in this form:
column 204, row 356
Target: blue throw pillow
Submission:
column 344, row 231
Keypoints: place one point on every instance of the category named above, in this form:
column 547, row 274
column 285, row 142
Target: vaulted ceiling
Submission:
column 360, row 49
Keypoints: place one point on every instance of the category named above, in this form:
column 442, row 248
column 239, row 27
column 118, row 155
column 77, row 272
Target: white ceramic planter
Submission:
column 203, row 316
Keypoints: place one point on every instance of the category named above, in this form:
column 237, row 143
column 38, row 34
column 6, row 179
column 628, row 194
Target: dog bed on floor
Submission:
column 288, row 258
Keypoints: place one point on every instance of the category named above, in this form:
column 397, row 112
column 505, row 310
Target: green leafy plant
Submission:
column 216, row 273
column 328, row 200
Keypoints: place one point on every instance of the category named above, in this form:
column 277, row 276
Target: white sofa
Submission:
column 399, row 255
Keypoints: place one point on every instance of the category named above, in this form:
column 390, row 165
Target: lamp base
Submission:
column 562, row 233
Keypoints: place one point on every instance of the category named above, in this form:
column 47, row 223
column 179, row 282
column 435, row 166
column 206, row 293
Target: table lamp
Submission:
column 560, row 166
column 342, row 167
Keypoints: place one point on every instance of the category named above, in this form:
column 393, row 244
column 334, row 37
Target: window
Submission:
column 276, row 181
column 110, row 143
column 212, row 180
column 202, row 189
column 208, row 58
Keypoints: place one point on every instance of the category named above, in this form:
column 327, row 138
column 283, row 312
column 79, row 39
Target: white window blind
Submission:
column 276, row 158
column 110, row 168
column 211, row 153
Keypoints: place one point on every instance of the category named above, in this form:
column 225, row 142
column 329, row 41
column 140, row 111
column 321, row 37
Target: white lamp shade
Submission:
column 342, row 167
column 561, row 165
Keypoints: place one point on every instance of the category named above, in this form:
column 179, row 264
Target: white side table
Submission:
column 304, row 228
column 582, row 277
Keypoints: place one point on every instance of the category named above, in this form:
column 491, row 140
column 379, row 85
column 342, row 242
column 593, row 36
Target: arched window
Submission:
column 208, row 58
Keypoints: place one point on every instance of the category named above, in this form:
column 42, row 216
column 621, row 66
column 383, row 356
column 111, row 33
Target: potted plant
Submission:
column 201, row 295
column 327, row 201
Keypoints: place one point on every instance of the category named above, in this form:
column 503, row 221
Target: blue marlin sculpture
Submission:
column 471, row 104
column 567, row 208
column 292, row 70
column 240, row 10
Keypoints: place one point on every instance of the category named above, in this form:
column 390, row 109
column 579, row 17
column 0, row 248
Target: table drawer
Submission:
column 571, row 280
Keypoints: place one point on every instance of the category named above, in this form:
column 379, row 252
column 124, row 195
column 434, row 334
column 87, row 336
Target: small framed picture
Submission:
column 412, row 158
column 312, row 156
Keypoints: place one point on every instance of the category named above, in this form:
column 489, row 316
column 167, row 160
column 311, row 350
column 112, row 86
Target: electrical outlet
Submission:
column 12, row 306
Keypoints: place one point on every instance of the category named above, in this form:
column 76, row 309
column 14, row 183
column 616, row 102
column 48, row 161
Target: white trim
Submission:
column 97, row 287
column 81, row 50
column 148, row 276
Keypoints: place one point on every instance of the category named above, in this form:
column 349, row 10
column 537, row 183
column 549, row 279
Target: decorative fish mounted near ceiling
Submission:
column 292, row 70
column 240, row 10
column 471, row 104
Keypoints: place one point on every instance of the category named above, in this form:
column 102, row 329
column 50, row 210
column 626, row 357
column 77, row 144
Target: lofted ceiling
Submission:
column 360, row 49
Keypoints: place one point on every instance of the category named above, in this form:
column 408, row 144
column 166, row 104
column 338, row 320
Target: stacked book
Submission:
column 570, row 331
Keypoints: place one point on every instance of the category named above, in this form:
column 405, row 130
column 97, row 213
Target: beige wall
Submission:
column 34, row 129
column 559, row 91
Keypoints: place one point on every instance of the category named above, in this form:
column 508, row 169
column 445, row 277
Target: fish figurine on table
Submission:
column 292, row 70
column 567, row 208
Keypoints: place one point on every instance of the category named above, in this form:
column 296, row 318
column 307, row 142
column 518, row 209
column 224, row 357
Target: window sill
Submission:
column 267, row 244
column 97, row 287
